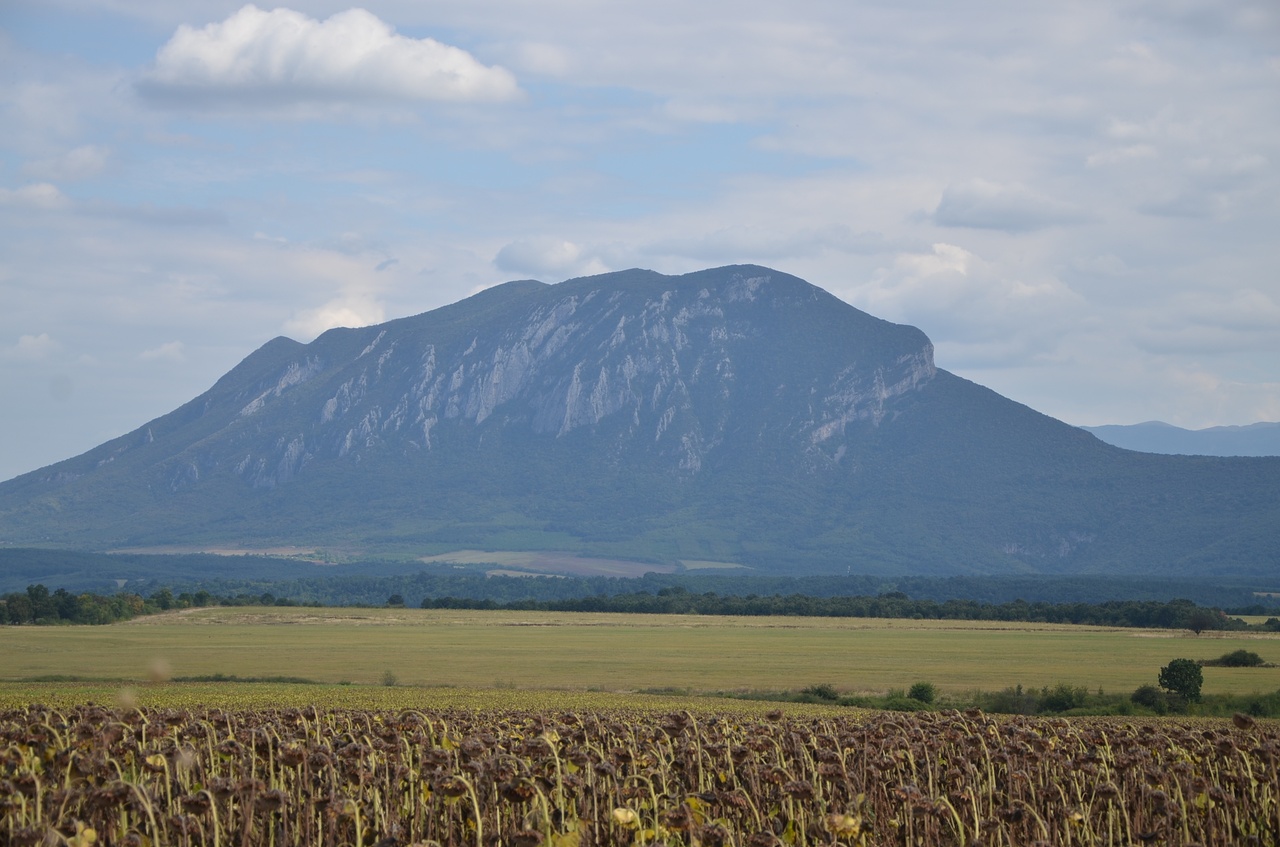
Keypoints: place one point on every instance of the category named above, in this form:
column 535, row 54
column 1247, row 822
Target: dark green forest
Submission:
column 37, row 605
column 1175, row 614
column 371, row 581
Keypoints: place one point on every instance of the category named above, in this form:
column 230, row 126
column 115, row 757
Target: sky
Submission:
column 1078, row 202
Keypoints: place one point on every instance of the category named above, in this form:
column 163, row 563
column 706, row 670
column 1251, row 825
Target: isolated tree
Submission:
column 1202, row 619
column 1182, row 677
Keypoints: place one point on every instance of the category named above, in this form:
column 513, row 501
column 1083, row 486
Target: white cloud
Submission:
column 33, row 348
column 40, row 195
column 1209, row 186
column 711, row 111
column 347, row 310
column 1121, row 155
column 1212, row 322
column 770, row 243
column 978, row 312
column 1140, row 64
column 980, row 204
column 284, row 57
column 548, row 257
column 83, row 162
column 542, row 58
column 170, row 351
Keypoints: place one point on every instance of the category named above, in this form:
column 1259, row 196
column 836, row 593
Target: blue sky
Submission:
column 1077, row 202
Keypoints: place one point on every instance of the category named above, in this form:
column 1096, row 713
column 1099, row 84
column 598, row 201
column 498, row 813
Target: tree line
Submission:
column 38, row 605
column 1147, row 614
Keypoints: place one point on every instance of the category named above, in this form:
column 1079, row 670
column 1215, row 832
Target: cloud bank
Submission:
column 980, row 204
column 284, row 57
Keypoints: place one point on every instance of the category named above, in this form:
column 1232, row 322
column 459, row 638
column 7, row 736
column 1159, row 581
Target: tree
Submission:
column 19, row 608
column 1183, row 677
column 1201, row 619
column 41, row 603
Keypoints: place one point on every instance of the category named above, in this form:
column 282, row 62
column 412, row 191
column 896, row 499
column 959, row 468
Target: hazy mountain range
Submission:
column 1259, row 439
column 736, row 414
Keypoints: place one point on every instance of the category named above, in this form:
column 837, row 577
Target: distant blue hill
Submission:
column 1259, row 439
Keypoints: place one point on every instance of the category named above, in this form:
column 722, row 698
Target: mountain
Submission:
column 1259, row 439
column 737, row 414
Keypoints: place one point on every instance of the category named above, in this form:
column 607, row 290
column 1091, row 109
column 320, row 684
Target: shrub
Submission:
column 1150, row 697
column 1062, row 697
column 1011, row 701
column 923, row 692
column 823, row 691
column 1239, row 659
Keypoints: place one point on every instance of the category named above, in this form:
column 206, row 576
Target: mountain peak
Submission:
column 731, row 414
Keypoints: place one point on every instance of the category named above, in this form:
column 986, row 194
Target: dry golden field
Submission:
column 540, row 650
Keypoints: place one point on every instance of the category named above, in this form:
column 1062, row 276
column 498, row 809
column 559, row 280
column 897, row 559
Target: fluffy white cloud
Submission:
column 356, row 285
column 349, row 311
column 285, row 57
column 551, row 257
column 1013, row 208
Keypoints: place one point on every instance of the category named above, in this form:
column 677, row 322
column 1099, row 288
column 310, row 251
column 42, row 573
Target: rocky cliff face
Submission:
column 666, row 366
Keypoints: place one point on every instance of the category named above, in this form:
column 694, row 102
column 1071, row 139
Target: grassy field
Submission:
column 620, row 652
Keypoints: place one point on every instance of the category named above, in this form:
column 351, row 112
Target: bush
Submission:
column 923, row 692
column 1150, row 697
column 823, row 691
column 1239, row 659
column 1011, row 701
column 1062, row 697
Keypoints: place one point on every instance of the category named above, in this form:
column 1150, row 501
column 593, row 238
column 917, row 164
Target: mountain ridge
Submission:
column 1256, row 439
column 734, row 414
